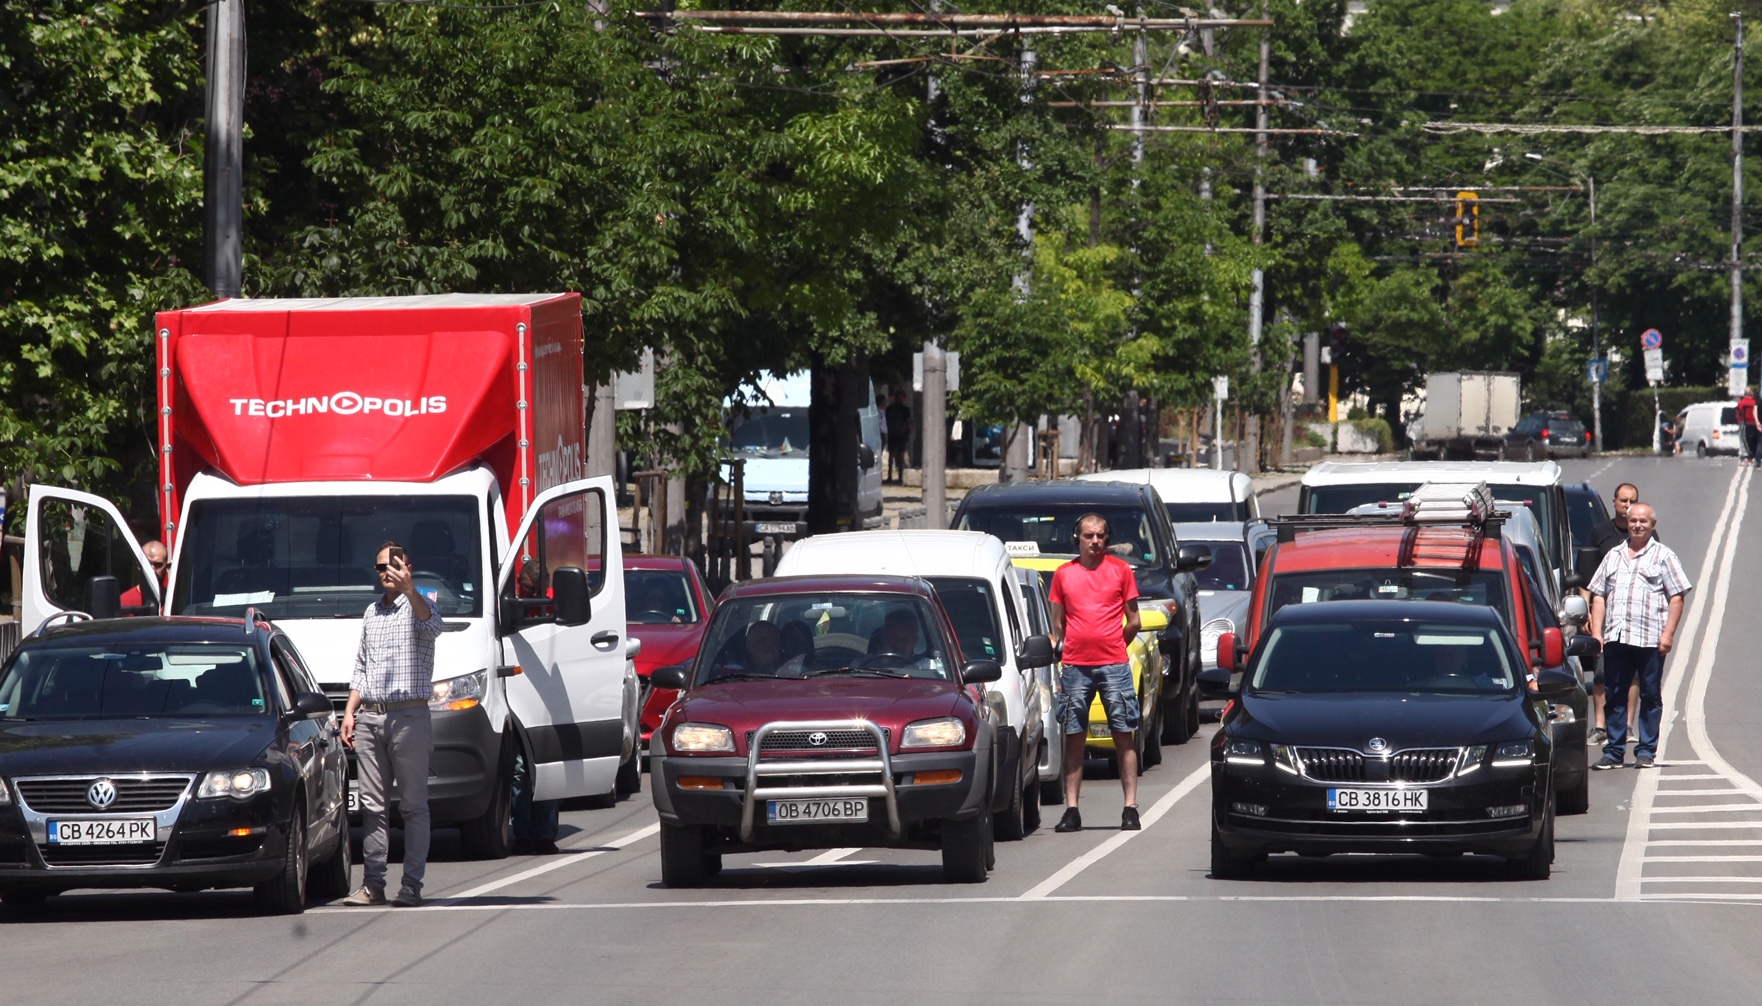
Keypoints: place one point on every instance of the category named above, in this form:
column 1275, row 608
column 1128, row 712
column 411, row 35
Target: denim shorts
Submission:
column 1118, row 697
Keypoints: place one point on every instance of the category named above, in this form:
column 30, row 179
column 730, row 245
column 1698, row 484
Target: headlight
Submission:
column 462, row 692
column 1244, row 752
column 238, row 783
column 700, row 737
column 1208, row 634
column 946, row 732
column 1513, row 754
column 1285, row 758
column 1471, row 759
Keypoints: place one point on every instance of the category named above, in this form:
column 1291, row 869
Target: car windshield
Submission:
column 1229, row 565
column 131, row 680
column 1205, row 513
column 1052, row 528
column 312, row 556
column 1383, row 657
column 803, row 635
column 968, row 604
column 660, row 597
column 1566, row 427
column 771, row 433
column 1481, row 587
column 1342, row 498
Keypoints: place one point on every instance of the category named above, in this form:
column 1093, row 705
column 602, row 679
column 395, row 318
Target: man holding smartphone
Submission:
column 387, row 723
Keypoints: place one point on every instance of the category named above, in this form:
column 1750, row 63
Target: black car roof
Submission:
column 1063, row 491
column 1434, row 612
column 181, row 629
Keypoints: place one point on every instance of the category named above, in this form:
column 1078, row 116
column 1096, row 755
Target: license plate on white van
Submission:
column 817, row 811
column 766, row 527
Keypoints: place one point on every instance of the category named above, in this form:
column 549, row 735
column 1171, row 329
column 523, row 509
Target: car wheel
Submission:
column 1012, row 823
column 1193, row 706
column 1576, row 800
column 490, row 835
column 1176, row 729
column 331, row 880
column 684, row 863
column 1227, row 865
column 629, row 779
column 1053, row 792
column 1700, row 448
column 1538, row 863
column 1152, row 755
column 966, row 849
column 285, row 893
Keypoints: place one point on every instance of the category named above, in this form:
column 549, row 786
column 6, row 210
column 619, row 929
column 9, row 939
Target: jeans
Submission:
column 534, row 820
column 394, row 746
column 1118, row 698
column 1621, row 663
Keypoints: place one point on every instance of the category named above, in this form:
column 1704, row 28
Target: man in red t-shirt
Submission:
column 1093, row 614
column 1747, row 427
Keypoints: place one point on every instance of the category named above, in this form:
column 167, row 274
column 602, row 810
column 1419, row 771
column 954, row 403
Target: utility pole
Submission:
column 1257, row 294
column 1596, row 327
column 223, row 195
column 1018, row 440
column 933, row 428
column 1737, row 179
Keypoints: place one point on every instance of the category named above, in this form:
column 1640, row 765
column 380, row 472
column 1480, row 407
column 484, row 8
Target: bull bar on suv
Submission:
column 757, row 768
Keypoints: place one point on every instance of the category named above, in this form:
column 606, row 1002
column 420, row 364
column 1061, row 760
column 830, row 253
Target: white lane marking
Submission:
column 1716, row 565
column 1701, row 826
column 1100, row 852
column 556, row 864
column 1703, row 859
column 1709, row 808
column 1704, row 880
column 1606, row 466
column 1706, row 841
column 1692, row 778
column 1710, row 790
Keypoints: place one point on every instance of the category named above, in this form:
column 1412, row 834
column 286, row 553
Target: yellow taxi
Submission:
column 1147, row 677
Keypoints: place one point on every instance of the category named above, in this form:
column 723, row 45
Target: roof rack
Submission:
column 1440, row 504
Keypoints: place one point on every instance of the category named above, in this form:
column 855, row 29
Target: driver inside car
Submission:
column 798, row 648
column 764, row 648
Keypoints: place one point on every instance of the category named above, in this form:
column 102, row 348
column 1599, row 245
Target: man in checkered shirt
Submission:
column 387, row 723
column 1636, row 603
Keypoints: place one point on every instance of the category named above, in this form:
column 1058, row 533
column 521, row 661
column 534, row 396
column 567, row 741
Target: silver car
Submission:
column 1227, row 585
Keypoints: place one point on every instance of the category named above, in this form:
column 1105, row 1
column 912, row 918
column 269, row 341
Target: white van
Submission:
column 772, row 440
column 979, row 589
column 1709, row 428
column 1193, row 495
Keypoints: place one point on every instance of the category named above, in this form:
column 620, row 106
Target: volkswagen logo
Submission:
column 1377, row 745
column 776, row 499
column 817, row 738
column 101, row 794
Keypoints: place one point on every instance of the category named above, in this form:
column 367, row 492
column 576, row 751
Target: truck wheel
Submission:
column 490, row 835
column 629, row 775
column 684, row 863
column 285, row 893
column 331, row 880
column 966, row 849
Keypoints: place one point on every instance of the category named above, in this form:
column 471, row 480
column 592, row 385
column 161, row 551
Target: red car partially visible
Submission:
column 668, row 608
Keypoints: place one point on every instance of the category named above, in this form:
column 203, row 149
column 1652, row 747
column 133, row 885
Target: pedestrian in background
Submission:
column 1637, row 601
column 1094, row 616
column 1747, row 432
column 388, row 724
column 1605, row 536
column 899, row 435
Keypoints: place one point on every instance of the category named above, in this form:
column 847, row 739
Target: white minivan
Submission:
column 1193, row 495
column 771, row 440
column 1709, row 428
column 978, row 587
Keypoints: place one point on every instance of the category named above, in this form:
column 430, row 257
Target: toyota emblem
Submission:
column 817, row 738
column 101, row 794
column 776, row 499
column 1377, row 745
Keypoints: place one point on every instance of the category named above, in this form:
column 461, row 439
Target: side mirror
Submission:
column 668, row 677
column 977, row 672
column 1192, row 557
column 1226, row 651
column 1572, row 580
column 509, row 613
column 1585, row 562
column 1214, row 683
column 1574, row 609
column 311, row 705
column 1584, row 645
column 865, row 456
column 1036, row 651
column 1555, row 683
column 103, row 597
column 1553, row 648
column 571, row 595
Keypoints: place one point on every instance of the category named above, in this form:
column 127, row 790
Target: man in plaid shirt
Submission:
column 1636, row 603
column 387, row 723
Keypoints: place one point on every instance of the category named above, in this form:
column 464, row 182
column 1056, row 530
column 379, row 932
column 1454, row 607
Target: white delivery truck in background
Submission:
column 1467, row 415
column 297, row 435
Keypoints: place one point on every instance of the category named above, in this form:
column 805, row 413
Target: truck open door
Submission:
column 561, row 619
column 74, row 541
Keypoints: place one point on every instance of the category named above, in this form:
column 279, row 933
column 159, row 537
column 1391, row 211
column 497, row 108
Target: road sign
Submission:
column 1651, row 338
column 1597, row 371
column 1655, row 365
column 1220, row 387
column 1740, row 353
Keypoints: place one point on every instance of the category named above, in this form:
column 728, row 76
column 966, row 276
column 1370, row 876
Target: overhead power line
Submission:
column 934, row 19
column 1536, row 128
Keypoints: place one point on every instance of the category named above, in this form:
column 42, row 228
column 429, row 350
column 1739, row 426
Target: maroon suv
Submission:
column 825, row 712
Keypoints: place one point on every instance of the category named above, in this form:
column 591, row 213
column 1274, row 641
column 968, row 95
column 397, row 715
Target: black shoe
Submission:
column 1606, row 762
column 1072, row 821
column 1642, row 761
column 1129, row 820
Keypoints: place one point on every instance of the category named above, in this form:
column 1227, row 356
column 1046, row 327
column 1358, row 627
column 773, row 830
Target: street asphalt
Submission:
column 1656, row 894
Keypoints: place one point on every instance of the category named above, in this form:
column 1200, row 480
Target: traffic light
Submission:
column 1336, row 341
column 1468, row 219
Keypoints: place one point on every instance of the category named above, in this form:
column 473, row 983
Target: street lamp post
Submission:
column 1596, row 333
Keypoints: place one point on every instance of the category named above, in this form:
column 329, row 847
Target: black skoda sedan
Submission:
column 180, row 753
column 1384, row 726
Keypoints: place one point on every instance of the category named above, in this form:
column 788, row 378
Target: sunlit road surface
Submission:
column 1656, row 894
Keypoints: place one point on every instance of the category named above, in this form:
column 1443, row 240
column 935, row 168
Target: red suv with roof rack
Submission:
column 1445, row 545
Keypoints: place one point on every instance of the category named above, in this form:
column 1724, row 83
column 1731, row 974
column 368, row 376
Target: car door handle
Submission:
column 604, row 640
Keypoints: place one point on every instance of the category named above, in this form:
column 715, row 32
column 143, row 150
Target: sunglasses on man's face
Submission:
column 159, row 563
